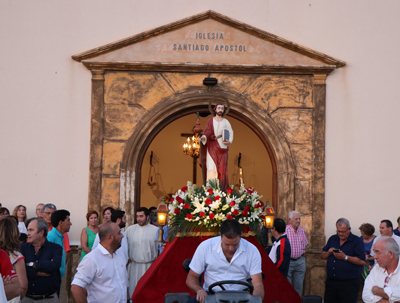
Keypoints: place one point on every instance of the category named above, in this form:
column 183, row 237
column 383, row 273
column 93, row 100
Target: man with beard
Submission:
column 101, row 275
column 215, row 155
column 142, row 247
column 119, row 217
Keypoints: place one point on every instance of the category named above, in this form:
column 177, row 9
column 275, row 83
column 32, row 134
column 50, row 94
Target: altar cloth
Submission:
column 166, row 274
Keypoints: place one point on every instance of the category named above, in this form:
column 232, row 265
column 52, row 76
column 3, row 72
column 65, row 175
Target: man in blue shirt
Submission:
column 61, row 224
column 346, row 255
column 43, row 261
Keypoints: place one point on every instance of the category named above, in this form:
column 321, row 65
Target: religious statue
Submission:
column 217, row 137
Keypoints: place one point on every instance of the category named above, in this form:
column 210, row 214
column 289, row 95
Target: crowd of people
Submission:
column 34, row 254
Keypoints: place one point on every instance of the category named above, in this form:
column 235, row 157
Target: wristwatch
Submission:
column 346, row 258
column 30, row 264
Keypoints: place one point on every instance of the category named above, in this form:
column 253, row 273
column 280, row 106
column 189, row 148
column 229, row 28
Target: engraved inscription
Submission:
column 214, row 42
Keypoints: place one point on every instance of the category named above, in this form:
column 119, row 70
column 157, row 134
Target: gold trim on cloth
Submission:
column 208, row 233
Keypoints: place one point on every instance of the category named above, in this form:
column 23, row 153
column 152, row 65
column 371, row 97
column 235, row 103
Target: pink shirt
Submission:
column 298, row 241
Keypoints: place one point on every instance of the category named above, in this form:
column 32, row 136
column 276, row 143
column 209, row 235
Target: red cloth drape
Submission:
column 218, row 154
column 166, row 274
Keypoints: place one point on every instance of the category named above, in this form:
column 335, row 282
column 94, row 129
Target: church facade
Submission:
column 84, row 96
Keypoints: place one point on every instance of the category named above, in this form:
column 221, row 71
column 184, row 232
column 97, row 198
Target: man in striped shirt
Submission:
column 298, row 242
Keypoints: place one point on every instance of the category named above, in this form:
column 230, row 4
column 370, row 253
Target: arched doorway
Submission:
column 192, row 102
column 172, row 169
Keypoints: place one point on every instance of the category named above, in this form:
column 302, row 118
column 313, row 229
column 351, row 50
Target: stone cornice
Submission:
column 202, row 67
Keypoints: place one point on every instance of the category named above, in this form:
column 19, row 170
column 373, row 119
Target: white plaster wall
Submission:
column 45, row 95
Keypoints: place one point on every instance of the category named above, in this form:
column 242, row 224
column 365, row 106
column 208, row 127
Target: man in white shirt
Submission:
column 386, row 230
column 383, row 282
column 142, row 247
column 228, row 257
column 102, row 272
column 119, row 217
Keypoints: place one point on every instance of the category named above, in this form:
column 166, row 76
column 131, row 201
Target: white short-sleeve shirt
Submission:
column 103, row 275
column 210, row 259
column 123, row 248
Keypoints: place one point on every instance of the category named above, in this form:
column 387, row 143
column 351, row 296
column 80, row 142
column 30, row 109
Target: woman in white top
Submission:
column 10, row 244
column 20, row 213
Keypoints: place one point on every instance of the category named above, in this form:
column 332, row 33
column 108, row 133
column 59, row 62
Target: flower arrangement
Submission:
column 203, row 209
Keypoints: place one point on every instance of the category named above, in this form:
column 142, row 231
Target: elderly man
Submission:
column 383, row 282
column 48, row 210
column 43, row 262
column 61, row 221
column 119, row 217
column 142, row 247
column 345, row 253
column 386, row 230
column 102, row 273
column 227, row 257
column 298, row 242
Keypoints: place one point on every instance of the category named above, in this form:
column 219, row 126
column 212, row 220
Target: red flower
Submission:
column 232, row 203
column 202, row 214
column 189, row 216
column 229, row 217
column 179, row 199
column 257, row 205
column 262, row 217
column 212, row 216
column 210, row 191
column 177, row 211
column 217, row 198
column 186, row 206
column 247, row 208
column 208, row 201
column 245, row 213
column 184, row 189
column 235, row 212
column 229, row 190
column 171, row 199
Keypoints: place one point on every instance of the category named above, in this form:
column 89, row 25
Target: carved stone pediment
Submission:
column 208, row 39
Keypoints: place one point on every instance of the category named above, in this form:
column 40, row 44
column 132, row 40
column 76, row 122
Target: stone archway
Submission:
column 186, row 103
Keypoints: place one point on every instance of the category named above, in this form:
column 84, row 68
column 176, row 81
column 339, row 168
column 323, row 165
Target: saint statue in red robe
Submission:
column 215, row 155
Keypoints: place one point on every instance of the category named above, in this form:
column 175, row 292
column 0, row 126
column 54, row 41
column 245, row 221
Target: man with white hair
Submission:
column 298, row 242
column 385, row 229
column 383, row 282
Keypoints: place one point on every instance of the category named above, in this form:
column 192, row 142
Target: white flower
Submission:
column 199, row 206
column 215, row 204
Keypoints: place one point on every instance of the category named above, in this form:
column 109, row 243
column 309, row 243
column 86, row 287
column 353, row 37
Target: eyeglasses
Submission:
column 386, row 282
